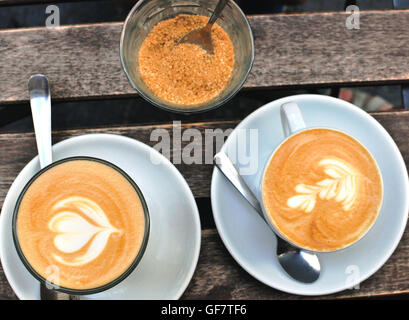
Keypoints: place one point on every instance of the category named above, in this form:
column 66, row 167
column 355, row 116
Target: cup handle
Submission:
column 291, row 118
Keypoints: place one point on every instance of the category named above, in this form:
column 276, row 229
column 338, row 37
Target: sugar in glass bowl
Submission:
column 147, row 13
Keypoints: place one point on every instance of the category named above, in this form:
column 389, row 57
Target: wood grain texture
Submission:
column 17, row 149
column 82, row 61
column 218, row 276
column 27, row 2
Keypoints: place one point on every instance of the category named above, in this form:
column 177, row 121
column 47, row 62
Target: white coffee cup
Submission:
column 293, row 123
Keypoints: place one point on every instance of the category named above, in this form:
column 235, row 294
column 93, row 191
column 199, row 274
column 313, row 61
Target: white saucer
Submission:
column 251, row 242
column 174, row 242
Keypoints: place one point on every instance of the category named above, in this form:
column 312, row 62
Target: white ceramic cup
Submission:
column 293, row 123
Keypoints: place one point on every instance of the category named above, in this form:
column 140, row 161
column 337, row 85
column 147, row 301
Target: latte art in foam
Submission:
column 74, row 231
column 340, row 186
column 85, row 219
column 322, row 189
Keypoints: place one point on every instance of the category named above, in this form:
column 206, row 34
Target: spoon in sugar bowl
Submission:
column 203, row 36
column 299, row 264
column 40, row 102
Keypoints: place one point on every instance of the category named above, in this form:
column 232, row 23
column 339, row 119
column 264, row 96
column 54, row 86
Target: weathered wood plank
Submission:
column 218, row 276
column 82, row 61
column 28, row 2
column 17, row 149
column 6, row 292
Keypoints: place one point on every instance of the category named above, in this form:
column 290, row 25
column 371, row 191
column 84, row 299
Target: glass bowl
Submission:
column 147, row 13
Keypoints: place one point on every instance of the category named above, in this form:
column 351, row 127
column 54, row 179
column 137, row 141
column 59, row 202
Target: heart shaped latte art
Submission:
column 74, row 231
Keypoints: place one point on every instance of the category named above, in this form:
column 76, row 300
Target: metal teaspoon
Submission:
column 301, row 265
column 40, row 101
column 203, row 36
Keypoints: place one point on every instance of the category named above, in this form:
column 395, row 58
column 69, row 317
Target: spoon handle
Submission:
column 298, row 264
column 40, row 102
column 226, row 166
column 216, row 13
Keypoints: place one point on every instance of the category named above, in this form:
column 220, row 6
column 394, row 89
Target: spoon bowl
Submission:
column 203, row 36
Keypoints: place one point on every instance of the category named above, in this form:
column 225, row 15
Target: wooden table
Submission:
column 292, row 51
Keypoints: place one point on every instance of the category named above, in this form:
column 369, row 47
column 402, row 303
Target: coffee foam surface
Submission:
column 83, row 219
column 322, row 189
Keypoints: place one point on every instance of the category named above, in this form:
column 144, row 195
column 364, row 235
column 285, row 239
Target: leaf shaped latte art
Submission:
column 74, row 231
column 341, row 186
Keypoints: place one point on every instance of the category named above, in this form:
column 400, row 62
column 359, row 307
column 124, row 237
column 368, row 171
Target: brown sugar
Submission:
column 185, row 74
